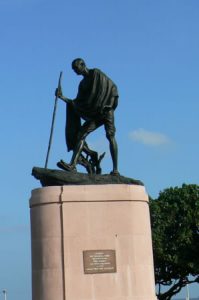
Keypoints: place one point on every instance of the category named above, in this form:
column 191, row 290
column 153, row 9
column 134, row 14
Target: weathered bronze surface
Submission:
column 99, row 261
column 49, row 177
column 95, row 103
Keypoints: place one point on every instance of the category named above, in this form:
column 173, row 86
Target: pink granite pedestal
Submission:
column 91, row 242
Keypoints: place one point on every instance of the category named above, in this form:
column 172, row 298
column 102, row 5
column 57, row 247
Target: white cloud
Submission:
column 148, row 137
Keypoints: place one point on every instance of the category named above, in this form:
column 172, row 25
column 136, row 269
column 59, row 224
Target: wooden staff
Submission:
column 53, row 121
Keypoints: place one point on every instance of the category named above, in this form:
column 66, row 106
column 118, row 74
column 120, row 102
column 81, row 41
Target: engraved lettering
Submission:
column 99, row 261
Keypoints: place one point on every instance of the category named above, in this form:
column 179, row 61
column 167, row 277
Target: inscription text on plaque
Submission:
column 99, row 261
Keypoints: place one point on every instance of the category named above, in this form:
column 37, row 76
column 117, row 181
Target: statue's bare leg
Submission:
column 74, row 160
column 114, row 154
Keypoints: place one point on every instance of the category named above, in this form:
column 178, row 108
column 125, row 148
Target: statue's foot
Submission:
column 115, row 173
column 66, row 167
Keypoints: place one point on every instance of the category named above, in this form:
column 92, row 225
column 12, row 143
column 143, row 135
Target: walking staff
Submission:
column 53, row 121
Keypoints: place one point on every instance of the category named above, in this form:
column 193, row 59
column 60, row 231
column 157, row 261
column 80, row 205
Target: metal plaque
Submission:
column 99, row 261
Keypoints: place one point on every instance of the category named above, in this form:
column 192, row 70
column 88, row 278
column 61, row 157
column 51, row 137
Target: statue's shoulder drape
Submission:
column 95, row 91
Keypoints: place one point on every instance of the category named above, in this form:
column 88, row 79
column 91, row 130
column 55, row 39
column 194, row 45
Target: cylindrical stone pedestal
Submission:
column 91, row 242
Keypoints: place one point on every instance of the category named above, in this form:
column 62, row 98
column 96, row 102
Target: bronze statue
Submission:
column 96, row 100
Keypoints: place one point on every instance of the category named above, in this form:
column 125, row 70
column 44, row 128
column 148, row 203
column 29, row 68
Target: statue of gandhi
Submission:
column 96, row 100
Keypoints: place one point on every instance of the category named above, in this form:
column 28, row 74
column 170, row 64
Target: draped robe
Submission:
column 96, row 90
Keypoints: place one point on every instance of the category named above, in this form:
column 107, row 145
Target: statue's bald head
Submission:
column 79, row 66
column 78, row 61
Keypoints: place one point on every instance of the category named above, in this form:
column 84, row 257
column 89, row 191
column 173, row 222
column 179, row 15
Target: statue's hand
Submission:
column 58, row 93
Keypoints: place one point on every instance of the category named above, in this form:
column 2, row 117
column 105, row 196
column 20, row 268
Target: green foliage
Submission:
column 175, row 230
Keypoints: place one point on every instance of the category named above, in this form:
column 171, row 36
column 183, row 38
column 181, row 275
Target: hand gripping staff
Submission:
column 53, row 121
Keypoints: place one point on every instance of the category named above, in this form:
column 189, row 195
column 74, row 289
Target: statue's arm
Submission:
column 66, row 100
column 110, row 105
column 58, row 93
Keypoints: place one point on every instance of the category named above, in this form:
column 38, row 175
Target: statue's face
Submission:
column 79, row 68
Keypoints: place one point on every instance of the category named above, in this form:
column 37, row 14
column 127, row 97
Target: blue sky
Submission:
column 149, row 48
